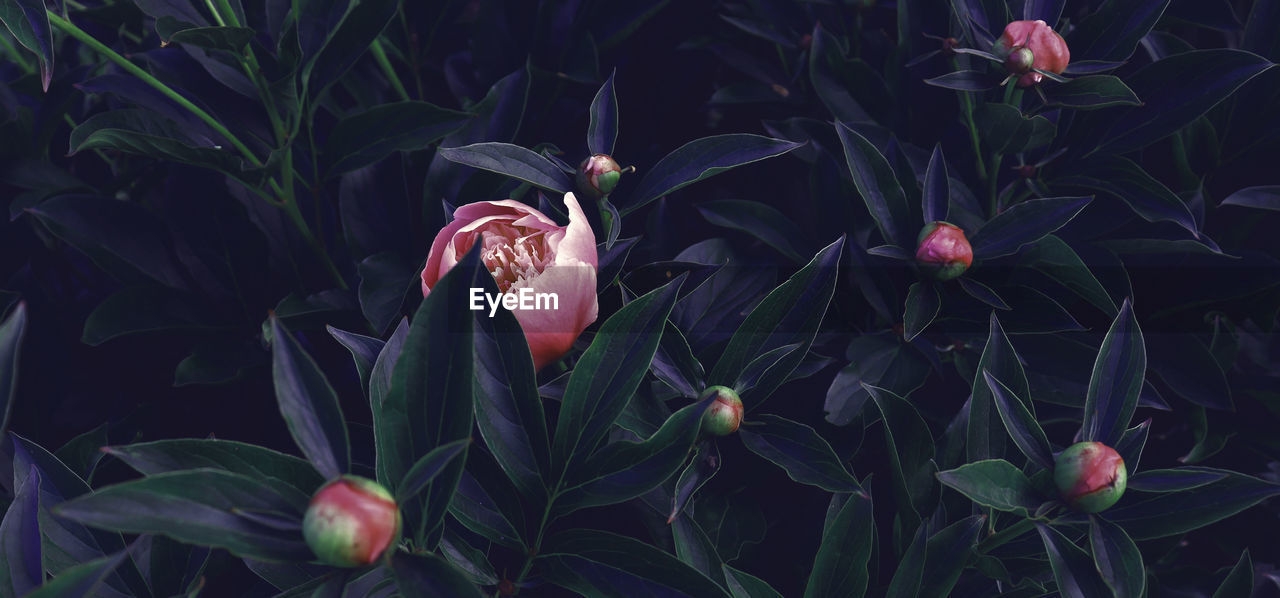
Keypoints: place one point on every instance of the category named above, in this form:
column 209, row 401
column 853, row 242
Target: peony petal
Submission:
column 551, row 332
column 579, row 242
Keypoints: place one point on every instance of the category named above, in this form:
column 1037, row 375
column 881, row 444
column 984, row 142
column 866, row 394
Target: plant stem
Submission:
column 15, row 55
column 133, row 69
column 1005, row 536
column 966, row 108
column 380, row 56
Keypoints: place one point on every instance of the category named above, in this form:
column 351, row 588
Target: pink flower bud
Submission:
column 548, row 269
column 351, row 522
column 597, row 176
column 725, row 414
column 943, row 251
column 1090, row 476
column 1049, row 49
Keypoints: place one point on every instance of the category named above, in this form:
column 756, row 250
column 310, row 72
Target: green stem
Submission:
column 133, row 69
column 380, row 56
column 966, row 109
column 15, row 55
column 1013, row 97
column 1005, row 536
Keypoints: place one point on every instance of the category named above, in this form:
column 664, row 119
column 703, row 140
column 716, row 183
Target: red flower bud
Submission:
column 597, row 176
column 351, row 522
column 724, row 415
column 949, row 46
column 1049, row 49
column 1090, row 476
column 943, row 251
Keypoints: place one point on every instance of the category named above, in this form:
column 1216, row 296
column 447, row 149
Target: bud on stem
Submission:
column 351, row 522
column 1090, row 476
column 725, row 413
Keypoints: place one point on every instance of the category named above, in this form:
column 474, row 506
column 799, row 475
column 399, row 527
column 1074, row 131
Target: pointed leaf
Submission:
column 758, row 220
column 364, row 351
column 1019, row 422
column 701, row 468
column 1124, row 179
column 23, row 567
column 513, row 161
column 1116, row 381
column 800, row 451
column 840, row 569
column 965, row 81
column 910, row 446
column 1265, row 198
column 29, row 24
column 1092, row 92
column 998, row 356
column 1117, row 558
column 878, row 186
column 309, row 405
column 994, row 483
column 602, row 132
column 366, row 137
column 596, row 563
column 429, row 576
column 11, row 332
column 982, row 293
column 1072, row 568
column 700, row 159
column 936, row 199
column 1173, row 480
column 907, row 577
column 745, row 585
column 922, row 307
column 1112, row 33
column 1239, row 582
column 428, row 467
column 947, row 555
column 1024, row 223
column 1173, row 513
column 83, row 580
column 260, row 463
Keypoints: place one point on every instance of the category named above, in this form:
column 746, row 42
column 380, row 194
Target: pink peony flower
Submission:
column 943, row 251
column 524, row 249
column 1050, row 50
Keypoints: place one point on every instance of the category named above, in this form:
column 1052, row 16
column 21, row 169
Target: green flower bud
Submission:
column 597, row 176
column 1019, row 60
column 725, row 414
column 351, row 522
column 1090, row 476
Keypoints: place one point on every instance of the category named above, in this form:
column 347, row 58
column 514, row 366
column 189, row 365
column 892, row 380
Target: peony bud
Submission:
column 943, row 251
column 597, row 176
column 1090, row 476
column 1048, row 48
column 1020, row 60
column 724, row 415
column 351, row 522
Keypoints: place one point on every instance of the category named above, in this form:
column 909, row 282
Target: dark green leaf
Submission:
column 1117, row 558
column 359, row 28
column 947, row 555
column 1007, row 131
column 195, row 506
column 513, row 161
column 361, row 139
column 675, row 364
column 429, row 576
column 701, row 159
column 994, row 483
column 1123, row 179
column 701, row 468
column 910, row 449
column 1072, row 568
column 984, row 440
column 1176, row 91
column 260, row 463
column 1024, row 223
column 487, row 503
column 1266, row 198
column 798, row 449
column 758, row 220
column 23, row 566
column 982, row 293
column 229, row 39
column 29, row 24
column 791, row 313
column 745, row 585
column 840, row 569
column 83, row 580
column 470, row 560
column 147, row 133
column 624, row 470
column 907, row 577
column 1189, row 369
column 309, row 405
column 608, row 373
column 1173, row 480
column 141, row 309
column 878, row 186
column 695, row 549
column 936, row 199
column 1112, row 33
column 1239, row 582
column 428, row 467
column 379, row 388
column 1173, row 513
column 965, row 81
column 832, row 78
column 1116, row 381
column 364, row 351
column 1056, row 259
column 385, row 279
column 601, row 564
column 922, row 307
column 11, row 332
column 1131, row 445
column 602, row 131
column 1093, row 92
column 1018, row 421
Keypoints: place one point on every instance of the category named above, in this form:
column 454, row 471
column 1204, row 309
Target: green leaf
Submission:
column 11, row 332
column 745, row 585
column 1052, row 256
column 432, row 393
column 1018, row 421
column 392, row 434
column 701, row 159
column 260, row 463
column 758, row 220
column 309, row 405
column 998, row 356
column 29, row 24
column 1116, row 381
column 910, row 448
column 82, row 580
column 624, row 470
column 197, row 506
column 364, row 138
column 364, row 351
column 947, row 554
column 608, row 373
column 1024, row 223
column 228, row 39
column 800, row 451
column 1007, row 131
column 675, row 364
column 1117, row 558
column 1093, row 92
column 487, row 504
column 602, row 131
column 922, row 307
column 1174, row 480
column 907, row 578
column 605, row 565
column 936, row 199
column 1239, row 582
column 695, row 549
column 832, row 78
column 428, row 467
column 840, row 568
column 789, row 314
column 141, row 309
column 1072, row 568
column 1125, row 180
column 994, row 483
column 146, row 133
column 878, row 186
column 361, row 25
column 429, row 576
column 1112, row 33
column 513, row 161
column 702, row 466
column 23, row 565
column 1173, row 513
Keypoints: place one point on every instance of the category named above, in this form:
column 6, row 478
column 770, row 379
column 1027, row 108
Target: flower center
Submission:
column 513, row 254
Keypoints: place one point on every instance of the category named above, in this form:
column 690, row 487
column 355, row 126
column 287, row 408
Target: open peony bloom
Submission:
column 1050, row 50
column 532, row 259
